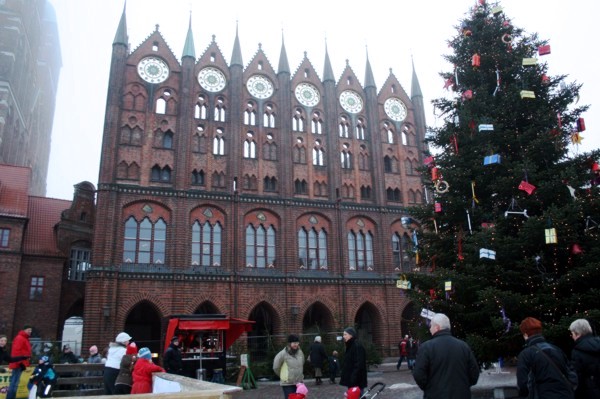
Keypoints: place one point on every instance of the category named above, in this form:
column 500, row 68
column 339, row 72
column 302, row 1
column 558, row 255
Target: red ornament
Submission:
column 435, row 173
column 429, row 161
column 576, row 249
column 545, row 79
column 595, row 167
column 438, row 207
column 528, row 188
column 467, row 95
column 580, row 125
column 476, row 60
column 543, row 50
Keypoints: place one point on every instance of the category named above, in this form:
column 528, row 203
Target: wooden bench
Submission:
column 80, row 379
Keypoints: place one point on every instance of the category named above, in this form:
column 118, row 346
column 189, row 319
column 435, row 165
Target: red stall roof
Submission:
column 234, row 327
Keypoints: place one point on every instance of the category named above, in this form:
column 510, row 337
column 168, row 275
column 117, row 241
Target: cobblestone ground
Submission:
column 399, row 384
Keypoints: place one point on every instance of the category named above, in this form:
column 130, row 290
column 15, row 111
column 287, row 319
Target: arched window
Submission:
column 365, row 192
column 360, row 250
column 250, row 146
column 206, row 244
column 360, row 129
column 144, row 242
column 298, row 121
column 389, row 133
column 317, row 124
column 220, row 110
column 260, row 246
column 396, row 251
column 269, row 116
column 318, row 156
column 312, row 248
column 299, row 154
column 167, row 141
column 219, row 146
column 300, row 187
column 269, row 184
column 250, row 115
column 346, row 158
column 387, row 164
column 198, row 178
column 344, row 127
column 161, row 106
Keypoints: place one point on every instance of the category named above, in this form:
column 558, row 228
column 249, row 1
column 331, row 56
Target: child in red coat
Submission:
column 142, row 372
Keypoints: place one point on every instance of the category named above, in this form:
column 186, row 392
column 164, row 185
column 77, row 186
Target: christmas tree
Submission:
column 510, row 229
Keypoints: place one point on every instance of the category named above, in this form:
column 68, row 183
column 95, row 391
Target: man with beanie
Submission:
column 542, row 368
column 21, row 347
column 354, row 366
column 445, row 367
column 585, row 359
column 317, row 356
column 288, row 365
column 172, row 357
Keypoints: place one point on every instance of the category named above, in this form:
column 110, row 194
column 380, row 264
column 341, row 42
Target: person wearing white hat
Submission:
column 116, row 351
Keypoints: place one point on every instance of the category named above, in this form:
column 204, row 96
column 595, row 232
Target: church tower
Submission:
column 274, row 195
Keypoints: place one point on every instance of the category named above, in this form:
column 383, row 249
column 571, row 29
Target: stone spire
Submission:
column 284, row 66
column 236, row 56
column 369, row 79
column 188, row 48
column 121, row 35
column 327, row 70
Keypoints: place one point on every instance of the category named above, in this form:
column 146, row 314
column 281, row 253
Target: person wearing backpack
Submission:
column 543, row 370
column 585, row 359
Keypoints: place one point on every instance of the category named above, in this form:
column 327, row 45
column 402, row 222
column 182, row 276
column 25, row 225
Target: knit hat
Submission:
column 531, row 326
column 145, row 353
column 131, row 349
column 93, row 349
column 350, row 330
column 44, row 359
column 27, row 326
column 175, row 338
column 122, row 337
column 318, row 338
column 293, row 338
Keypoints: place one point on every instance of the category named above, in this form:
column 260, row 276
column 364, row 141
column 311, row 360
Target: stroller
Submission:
column 370, row 393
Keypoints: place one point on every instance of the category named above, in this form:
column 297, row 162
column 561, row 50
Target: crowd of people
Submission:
column 442, row 366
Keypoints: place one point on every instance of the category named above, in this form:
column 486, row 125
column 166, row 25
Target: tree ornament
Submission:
column 550, row 233
column 476, row 60
column 580, row 125
column 498, row 81
column 515, row 209
column 487, row 253
column 529, row 61
column 486, row 128
column 527, row 94
column 576, row 249
column 544, row 50
column 474, row 197
column 527, row 187
column 467, row 95
column 506, row 38
column 576, row 138
column 492, row 159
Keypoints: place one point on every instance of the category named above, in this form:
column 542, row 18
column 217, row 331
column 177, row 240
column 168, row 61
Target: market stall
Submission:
column 204, row 340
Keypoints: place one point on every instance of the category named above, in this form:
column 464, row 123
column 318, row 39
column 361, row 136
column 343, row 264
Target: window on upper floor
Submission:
column 36, row 288
column 312, row 248
column 4, row 236
column 360, row 250
column 360, row 129
column 270, row 184
column 298, row 121
column 269, row 116
column 250, row 146
column 260, row 246
column 344, row 127
column 206, row 244
column 144, row 242
column 300, row 187
column 198, row 178
column 219, row 146
column 219, row 112
column 250, row 115
column 318, row 156
column 346, row 158
column 317, row 124
column 79, row 263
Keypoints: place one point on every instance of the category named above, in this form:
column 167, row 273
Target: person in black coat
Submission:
column 172, row 358
column 5, row 354
column 585, row 359
column 317, row 356
column 445, row 367
column 354, row 366
column 542, row 368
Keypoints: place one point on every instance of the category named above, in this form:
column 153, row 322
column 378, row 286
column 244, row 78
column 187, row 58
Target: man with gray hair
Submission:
column 585, row 359
column 446, row 367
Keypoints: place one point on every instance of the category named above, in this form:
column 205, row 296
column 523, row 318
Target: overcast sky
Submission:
column 390, row 31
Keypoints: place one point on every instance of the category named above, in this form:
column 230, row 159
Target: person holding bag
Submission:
column 288, row 365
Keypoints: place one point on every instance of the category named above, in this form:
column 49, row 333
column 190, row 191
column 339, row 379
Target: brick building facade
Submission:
column 45, row 247
column 263, row 194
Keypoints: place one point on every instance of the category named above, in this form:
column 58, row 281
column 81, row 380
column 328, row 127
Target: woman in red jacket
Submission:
column 142, row 372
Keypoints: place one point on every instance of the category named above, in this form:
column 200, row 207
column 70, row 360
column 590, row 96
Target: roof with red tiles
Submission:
column 44, row 214
column 14, row 190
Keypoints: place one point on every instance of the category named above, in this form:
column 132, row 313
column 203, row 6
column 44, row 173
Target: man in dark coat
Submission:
column 172, row 358
column 445, row 367
column 585, row 359
column 354, row 366
column 542, row 368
